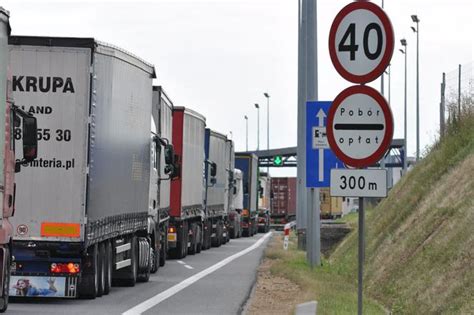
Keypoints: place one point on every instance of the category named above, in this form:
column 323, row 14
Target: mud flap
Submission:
column 5, row 262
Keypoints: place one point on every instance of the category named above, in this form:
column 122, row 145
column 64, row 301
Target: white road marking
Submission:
column 181, row 262
column 188, row 266
column 157, row 299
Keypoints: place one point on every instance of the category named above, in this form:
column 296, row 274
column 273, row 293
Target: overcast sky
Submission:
column 219, row 56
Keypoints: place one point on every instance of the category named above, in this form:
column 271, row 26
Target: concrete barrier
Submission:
column 308, row 308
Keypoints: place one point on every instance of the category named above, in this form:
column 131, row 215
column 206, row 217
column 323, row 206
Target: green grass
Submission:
column 350, row 219
column 420, row 244
column 334, row 293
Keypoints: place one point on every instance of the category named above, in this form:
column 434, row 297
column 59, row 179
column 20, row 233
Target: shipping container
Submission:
column 331, row 207
column 84, row 203
column 284, row 199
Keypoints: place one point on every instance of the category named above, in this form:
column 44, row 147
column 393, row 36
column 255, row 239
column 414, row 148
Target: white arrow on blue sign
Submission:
column 319, row 157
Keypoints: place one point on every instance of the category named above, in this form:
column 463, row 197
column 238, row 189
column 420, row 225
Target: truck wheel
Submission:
column 108, row 267
column 163, row 251
column 185, row 239
column 199, row 239
column 219, row 234
column 101, row 272
column 207, row 235
column 155, row 257
column 146, row 252
column 209, row 238
column 130, row 272
column 6, row 283
column 193, row 248
column 224, row 231
column 89, row 282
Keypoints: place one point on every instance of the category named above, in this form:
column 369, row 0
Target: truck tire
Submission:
column 163, row 247
column 6, row 283
column 128, row 275
column 108, row 270
column 163, row 251
column 193, row 248
column 102, row 261
column 145, row 256
column 185, row 239
column 207, row 235
column 182, row 245
column 199, row 239
column 218, row 234
column 155, row 256
column 89, row 281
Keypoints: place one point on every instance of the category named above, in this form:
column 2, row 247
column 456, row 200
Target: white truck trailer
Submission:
column 162, row 171
column 14, row 123
column 236, row 205
column 217, row 187
column 187, row 216
column 84, row 220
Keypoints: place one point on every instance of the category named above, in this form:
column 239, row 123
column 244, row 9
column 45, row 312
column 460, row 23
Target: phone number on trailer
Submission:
column 47, row 134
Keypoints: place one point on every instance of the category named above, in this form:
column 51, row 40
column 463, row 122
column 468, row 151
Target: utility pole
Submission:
column 301, row 211
column 459, row 94
column 258, row 126
column 307, row 90
column 442, row 108
column 405, row 52
column 313, row 237
column 268, row 124
column 388, row 72
column 382, row 84
column 246, row 133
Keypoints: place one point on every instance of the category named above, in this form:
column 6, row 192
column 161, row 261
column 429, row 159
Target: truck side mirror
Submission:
column 235, row 190
column 30, row 140
column 213, row 169
column 260, row 190
column 169, row 154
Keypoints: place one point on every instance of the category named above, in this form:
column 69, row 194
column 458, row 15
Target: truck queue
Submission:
column 113, row 178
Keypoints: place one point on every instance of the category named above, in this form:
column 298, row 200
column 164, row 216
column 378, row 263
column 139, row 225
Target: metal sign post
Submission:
column 360, row 122
column 361, row 255
column 319, row 162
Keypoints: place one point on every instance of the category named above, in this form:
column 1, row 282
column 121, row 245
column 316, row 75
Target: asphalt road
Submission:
column 216, row 281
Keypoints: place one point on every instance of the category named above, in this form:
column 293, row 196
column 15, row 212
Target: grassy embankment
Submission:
column 420, row 242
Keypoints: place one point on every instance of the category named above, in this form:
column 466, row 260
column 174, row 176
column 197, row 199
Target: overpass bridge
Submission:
column 287, row 157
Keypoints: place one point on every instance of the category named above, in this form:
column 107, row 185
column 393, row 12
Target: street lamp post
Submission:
column 268, row 119
column 246, row 133
column 258, row 126
column 382, row 83
column 404, row 51
column 388, row 72
column 416, row 20
column 268, row 123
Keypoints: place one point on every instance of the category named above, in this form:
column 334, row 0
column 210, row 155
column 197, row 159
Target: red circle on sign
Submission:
column 387, row 138
column 387, row 55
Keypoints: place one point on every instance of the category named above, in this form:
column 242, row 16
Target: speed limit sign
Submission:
column 361, row 42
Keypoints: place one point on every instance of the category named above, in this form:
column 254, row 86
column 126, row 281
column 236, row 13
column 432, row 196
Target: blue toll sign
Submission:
column 319, row 157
